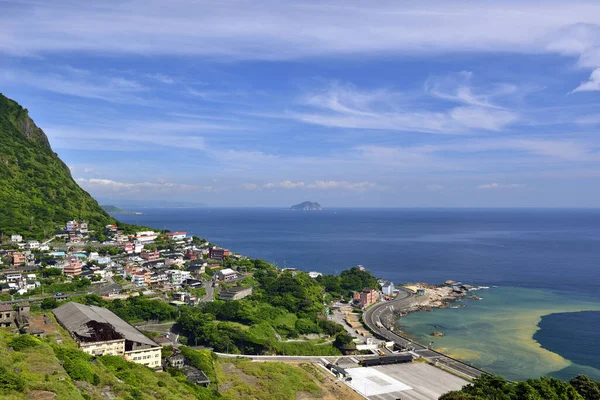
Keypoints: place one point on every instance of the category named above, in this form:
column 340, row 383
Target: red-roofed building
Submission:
column 176, row 235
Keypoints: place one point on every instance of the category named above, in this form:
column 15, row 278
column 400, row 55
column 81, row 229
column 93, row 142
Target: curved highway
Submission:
column 375, row 319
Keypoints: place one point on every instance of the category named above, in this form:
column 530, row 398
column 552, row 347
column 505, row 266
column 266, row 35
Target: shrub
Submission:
column 136, row 394
column 22, row 342
column 49, row 303
column 201, row 359
column 122, row 369
column 11, row 381
column 77, row 364
column 79, row 370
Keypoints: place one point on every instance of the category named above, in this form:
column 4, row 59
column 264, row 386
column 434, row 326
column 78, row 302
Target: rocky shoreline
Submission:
column 436, row 296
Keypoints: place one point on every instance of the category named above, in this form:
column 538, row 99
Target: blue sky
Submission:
column 349, row 103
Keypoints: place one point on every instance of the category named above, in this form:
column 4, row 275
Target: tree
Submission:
column 494, row 387
column 587, row 388
column 49, row 303
column 47, row 272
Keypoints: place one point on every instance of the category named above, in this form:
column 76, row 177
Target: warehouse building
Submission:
column 99, row 331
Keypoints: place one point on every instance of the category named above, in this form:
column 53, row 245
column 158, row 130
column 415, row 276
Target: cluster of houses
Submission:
column 137, row 262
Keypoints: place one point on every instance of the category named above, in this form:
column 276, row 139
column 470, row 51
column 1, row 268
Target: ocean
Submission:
column 542, row 267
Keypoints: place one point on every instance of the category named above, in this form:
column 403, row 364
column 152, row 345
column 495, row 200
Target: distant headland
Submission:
column 307, row 206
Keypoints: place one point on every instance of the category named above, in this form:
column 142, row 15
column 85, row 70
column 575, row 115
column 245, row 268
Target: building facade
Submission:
column 235, row 293
column 99, row 331
column 73, row 267
column 366, row 297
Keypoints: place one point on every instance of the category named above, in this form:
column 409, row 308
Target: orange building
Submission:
column 73, row 268
column 17, row 258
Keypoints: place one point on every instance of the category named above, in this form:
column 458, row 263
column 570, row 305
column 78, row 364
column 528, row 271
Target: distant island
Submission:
column 116, row 210
column 307, row 206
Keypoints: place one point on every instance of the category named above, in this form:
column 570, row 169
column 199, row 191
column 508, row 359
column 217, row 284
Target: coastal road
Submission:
column 210, row 291
column 383, row 313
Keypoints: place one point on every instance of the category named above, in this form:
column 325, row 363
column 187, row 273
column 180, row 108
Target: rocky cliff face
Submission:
column 19, row 116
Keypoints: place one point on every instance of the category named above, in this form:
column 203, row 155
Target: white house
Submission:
column 158, row 277
column 177, row 277
column 138, row 279
column 388, row 288
column 145, row 237
column 33, row 245
column 16, row 238
column 176, row 235
column 13, row 277
column 314, row 274
column 226, row 274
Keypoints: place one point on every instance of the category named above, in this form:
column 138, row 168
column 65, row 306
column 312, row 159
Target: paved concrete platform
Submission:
column 414, row 381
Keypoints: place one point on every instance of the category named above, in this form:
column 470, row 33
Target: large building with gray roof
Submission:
column 99, row 331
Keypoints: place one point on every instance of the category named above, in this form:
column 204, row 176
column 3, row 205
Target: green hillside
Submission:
column 37, row 192
column 32, row 368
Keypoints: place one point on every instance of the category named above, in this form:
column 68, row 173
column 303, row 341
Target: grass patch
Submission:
column 243, row 379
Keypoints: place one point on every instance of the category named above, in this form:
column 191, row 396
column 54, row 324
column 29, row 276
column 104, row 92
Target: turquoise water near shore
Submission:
column 501, row 332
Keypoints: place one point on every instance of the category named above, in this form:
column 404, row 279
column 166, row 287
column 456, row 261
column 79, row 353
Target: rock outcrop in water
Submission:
column 307, row 206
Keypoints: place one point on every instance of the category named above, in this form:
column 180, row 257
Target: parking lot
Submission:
column 414, row 381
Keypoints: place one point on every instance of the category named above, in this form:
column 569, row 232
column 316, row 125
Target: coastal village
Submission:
column 171, row 267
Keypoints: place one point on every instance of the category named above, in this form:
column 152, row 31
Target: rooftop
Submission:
column 195, row 375
column 228, row 271
column 95, row 324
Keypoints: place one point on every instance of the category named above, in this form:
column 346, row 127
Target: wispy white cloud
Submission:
column 591, row 85
column 284, row 185
column 458, row 88
column 117, row 186
column 358, row 186
column 279, row 30
column 244, row 30
column 126, row 138
column 317, row 185
column 501, row 186
column 78, row 83
column 345, row 106
column 162, row 78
